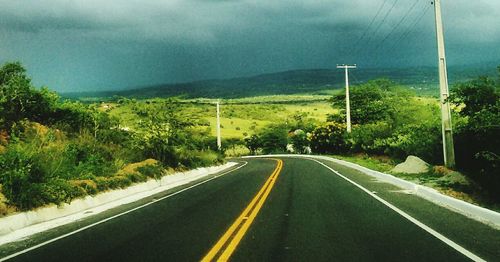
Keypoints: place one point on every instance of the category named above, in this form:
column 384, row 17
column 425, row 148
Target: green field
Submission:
column 239, row 117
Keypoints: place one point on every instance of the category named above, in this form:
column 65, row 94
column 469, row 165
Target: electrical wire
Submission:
column 383, row 21
column 414, row 24
column 356, row 45
column 380, row 45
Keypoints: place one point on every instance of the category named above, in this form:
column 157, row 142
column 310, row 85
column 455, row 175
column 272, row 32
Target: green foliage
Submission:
column 423, row 140
column 253, row 143
column 194, row 158
column 374, row 101
column 19, row 100
column 366, row 138
column 475, row 96
column 331, row 138
column 300, row 141
column 274, row 138
column 162, row 131
column 152, row 171
column 26, row 185
column 477, row 140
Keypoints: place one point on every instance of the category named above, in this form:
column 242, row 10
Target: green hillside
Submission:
column 314, row 81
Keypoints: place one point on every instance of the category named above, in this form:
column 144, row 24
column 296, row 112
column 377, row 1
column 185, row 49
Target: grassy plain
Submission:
column 239, row 117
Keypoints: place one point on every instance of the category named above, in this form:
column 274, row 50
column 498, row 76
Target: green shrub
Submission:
column 20, row 176
column 194, row 159
column 115, row 182
column 422, row 140
column 274, row 138
column 331, row 138
column 88, row 186
column 364, row 137
column 152, row 171
column 136, row 177
column 102, row 183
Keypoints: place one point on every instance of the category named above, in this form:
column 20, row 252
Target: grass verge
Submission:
column 448, row 182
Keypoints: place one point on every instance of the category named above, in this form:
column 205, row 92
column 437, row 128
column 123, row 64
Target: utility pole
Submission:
column 448, row 148
column 347, row 102
column 219, row 143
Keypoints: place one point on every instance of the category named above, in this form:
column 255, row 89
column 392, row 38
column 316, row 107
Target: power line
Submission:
column 383, row 21
column 380, row 44
column 414, row 24
column 356, row 44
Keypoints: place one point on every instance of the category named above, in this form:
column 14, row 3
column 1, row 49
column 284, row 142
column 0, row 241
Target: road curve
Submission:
column 301, row 211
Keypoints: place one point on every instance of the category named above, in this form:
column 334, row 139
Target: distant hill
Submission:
column 314, row 81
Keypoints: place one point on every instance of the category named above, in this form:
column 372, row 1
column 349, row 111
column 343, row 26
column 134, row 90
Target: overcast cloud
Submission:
column 88, row 44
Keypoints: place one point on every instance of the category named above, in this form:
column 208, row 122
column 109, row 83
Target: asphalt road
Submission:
column 272, row 210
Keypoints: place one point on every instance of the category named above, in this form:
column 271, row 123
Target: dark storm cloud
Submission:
column 80, row 44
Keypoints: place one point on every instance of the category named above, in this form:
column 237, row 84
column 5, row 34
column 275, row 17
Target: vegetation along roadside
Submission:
column 54, row 150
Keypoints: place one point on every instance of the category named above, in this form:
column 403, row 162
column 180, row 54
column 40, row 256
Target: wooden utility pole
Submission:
column 347, row 102
column 447, row 132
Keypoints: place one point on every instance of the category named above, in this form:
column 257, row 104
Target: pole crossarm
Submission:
column 347, row 66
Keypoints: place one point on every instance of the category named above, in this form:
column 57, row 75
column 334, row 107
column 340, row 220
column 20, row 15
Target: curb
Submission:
column 37, row 220
column 478, row 213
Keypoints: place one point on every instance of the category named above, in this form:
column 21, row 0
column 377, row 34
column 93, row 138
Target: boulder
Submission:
column 412, row 165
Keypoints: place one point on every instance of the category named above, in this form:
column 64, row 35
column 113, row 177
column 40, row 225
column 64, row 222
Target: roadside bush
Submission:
column 88, row 186
column 136, row 177
column 19, row 173
column 331, row 138
column 274, row 138
column 116, row 182
column 26, row 186
column 477, row 139
column 152, row 171
column 253, row 143
column 299, row 140
column 3, row 203
column 194, row 159
column 102, row 183
column 422, row 140
column 364, row 137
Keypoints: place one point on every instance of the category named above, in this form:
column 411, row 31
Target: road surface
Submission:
column 286, row 209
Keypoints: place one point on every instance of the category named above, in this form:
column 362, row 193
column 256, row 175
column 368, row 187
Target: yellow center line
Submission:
column 243, row 222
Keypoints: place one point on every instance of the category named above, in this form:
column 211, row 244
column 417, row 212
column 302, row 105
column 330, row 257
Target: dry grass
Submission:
column 132, row 168
column 458, row 195
column 5, row 209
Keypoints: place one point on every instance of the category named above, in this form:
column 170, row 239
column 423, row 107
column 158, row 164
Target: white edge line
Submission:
column 431, row 231
column 115, row 216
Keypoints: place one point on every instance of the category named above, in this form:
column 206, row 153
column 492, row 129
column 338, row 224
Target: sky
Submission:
column 88, row 45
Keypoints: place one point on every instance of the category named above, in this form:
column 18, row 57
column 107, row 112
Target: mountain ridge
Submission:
column 300, row 81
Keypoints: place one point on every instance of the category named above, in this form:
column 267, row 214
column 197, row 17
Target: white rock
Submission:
column 412, row 165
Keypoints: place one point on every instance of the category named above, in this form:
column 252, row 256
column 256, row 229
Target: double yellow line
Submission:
column 226, row 245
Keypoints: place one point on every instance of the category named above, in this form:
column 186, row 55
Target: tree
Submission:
column 19, row 100
column 476, row 139
column 163, row 132
column 374, row 101
column 253, row 143
column 274, row 138
column 475, row 95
